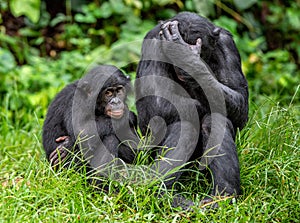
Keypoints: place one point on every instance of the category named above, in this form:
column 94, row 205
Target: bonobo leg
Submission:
column 126, row 153
column 59, row 155
column 111, row 143
column 219, row 140
column 180, row 142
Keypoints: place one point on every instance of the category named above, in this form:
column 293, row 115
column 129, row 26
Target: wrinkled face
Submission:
column 113, row 99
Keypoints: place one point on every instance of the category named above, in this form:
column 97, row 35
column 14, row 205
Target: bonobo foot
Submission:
column 208, row 203
column 170, row 32
column 180, row 201
column 213, row 202
column 60, row 153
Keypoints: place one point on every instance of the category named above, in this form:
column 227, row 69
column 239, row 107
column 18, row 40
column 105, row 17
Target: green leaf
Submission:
column 293, row 17
column 105, row 10
column 204, row 7
column 7, row 61
column 117, row 6
column 227, row 23
column 26, row 31
column 29, row 8
column 244, row 4
column 88, row 18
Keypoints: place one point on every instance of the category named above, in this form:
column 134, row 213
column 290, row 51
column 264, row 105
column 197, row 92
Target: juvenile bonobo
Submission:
column 201, row 60
column 95, row 101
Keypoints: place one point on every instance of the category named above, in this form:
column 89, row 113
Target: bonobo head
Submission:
column 113, row 101
column 192, row 26
column 112, row 96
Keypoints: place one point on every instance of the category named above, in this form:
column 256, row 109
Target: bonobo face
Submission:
column 113, row 100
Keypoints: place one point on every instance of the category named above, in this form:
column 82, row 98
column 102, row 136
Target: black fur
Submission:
column 219, row 52
column 58, row 121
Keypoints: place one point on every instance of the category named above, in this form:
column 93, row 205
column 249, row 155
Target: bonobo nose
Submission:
column 114, row 101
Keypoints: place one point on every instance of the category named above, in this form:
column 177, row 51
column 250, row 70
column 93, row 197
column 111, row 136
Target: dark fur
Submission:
column 58, row 121
column 221, row 55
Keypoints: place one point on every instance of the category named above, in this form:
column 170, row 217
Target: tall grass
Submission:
column 269, row 159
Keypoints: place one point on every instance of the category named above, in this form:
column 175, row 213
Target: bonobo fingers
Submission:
column 176, row 37
column 196, row 49
column 165, row 31
column 170, row 32
column 161, row 35
column 60, row 153
column 58, row 156
column 62, row 139
column 199, row 42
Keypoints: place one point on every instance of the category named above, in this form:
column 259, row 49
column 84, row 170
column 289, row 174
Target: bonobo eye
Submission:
column 120, row 89
column 108, row 93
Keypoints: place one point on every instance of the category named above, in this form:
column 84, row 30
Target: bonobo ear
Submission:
column 216, row 31
column 215, row 36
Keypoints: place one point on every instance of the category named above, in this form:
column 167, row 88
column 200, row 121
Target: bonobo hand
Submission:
column 169, row 32
column 60, row 153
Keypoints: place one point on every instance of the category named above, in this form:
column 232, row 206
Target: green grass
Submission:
column 269, row 155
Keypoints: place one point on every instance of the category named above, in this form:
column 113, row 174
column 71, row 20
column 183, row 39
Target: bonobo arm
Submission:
column 221, row 78
column 169, row 97
column 58, row 122
column 127, row 148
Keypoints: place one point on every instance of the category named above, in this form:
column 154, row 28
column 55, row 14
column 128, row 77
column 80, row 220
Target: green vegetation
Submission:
column 42, row 51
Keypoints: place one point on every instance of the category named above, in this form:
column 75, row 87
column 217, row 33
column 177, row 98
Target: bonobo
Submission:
column 94, row 105
column 190, row 76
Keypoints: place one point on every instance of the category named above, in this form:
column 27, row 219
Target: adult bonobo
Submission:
column 93, row 108
column 190, row 76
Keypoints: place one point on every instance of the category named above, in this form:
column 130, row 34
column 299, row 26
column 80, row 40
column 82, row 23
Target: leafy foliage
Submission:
column 266, row 35
column 31, row 9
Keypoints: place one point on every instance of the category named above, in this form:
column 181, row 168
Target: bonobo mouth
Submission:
column 116, row 114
